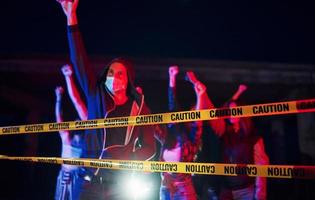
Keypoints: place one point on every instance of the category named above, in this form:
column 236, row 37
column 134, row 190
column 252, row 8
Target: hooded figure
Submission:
column 110, row 95
column 132, row 142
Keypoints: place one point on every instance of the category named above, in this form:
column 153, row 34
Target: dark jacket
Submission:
column 139, row 141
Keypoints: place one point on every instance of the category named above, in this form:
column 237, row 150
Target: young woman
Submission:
column 179, row 144
column 241, row 144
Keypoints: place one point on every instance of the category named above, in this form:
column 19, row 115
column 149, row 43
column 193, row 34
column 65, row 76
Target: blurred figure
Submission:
column 241, row 145
column 68, row 181
column 179, row 144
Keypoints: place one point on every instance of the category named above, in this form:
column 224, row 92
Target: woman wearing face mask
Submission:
column 112, row 94
column 241, row 144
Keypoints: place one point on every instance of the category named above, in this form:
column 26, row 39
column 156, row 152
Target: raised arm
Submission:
column 241, row 88
column 172, row 99
column 70, row 9
column 204, row 102
column 59, row 118
column 160, row 132
column 73, row 92
column 196, row 129
column 78, row 55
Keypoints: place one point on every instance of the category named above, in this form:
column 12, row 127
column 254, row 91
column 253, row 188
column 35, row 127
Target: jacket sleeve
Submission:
column 172, row 99
column 79, row 60
column 260, row 158
column 147, row 147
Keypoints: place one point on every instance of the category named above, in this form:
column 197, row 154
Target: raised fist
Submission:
column 173, row 70
column 59, row 92
column 67, row 70
column 139, row 90
column 190, row 76
column 69, row 7
column 242, row 87
column 200, row 88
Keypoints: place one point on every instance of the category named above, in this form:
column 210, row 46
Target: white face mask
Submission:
column 114, row 85
column 109, row 84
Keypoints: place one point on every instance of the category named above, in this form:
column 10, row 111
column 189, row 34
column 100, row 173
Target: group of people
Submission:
column 113, row 94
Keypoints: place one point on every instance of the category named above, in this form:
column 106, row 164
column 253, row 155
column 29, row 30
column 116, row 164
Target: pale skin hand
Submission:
column 66, row 70
column 200, row 88
column 70, row 9
column 241, row 88
column 59, row 92
column 173, row 71
column 139, row 90
column 191, row 77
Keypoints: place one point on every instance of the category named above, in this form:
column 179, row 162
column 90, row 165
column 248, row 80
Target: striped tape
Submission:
column 270, row 171
column 279, row 108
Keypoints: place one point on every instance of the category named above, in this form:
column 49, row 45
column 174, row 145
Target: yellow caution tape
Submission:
column 271, row 171
column 279, row 108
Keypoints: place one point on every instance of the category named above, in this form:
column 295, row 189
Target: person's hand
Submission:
column 59, row 92
column 67, row 70
column 69, row 7
column 190, row 76
column 239, row 92
column 139, row 90
column 242, row 87
column 200, row 88
column 173, row 70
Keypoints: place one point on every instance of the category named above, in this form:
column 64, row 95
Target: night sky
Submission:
column 237, row 30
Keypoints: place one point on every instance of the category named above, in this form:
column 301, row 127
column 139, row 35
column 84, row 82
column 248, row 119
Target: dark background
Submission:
column 267, row 45
column 277, row 31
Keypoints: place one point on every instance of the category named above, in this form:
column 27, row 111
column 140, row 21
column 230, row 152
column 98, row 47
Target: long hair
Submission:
column 131, row 89
column 246, row 123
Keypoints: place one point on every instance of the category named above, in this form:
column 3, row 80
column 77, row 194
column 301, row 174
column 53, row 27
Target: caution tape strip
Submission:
column 270, row 171
column 279, row 108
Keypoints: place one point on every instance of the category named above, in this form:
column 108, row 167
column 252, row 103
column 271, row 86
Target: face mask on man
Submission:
column 113, row 84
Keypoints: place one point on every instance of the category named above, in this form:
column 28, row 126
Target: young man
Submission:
column 112, row 94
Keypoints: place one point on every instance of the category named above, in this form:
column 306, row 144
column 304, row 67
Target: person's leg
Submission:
column 63, row 186
column 59, row 186
column 75, row 185
column 164, row 193
column 185, row 191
